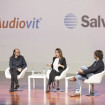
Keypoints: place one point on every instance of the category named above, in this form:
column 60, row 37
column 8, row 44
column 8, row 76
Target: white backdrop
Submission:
column 38, row 45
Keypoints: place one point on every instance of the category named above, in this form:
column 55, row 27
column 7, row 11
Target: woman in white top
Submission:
column 58, row 65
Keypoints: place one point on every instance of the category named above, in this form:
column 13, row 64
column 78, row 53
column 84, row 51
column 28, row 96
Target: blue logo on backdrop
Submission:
column 70, row 21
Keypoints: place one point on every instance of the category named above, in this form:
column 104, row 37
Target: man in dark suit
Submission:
column 86, row 72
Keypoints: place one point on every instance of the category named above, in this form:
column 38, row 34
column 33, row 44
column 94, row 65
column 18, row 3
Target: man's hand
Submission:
column 19, row 69
column 80, row 71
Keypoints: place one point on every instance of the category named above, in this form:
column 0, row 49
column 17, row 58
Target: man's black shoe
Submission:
column 11, row 90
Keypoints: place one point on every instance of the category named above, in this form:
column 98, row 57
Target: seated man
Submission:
column 17, row 63
column 86, row 72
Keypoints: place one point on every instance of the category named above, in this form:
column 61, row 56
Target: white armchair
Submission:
column 57, row 78
column 95, row 79
column 21, row 75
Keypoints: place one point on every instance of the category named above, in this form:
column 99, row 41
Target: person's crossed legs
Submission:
column 14, row 79
column 78, row 79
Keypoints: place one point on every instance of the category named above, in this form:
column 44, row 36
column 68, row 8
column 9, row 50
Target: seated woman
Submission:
column 17, row 63
column 58, row 66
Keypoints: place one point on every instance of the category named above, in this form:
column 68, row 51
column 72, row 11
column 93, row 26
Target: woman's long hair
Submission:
column 60, row 52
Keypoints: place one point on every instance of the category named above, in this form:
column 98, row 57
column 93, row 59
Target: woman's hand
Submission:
column 19, row 69
column 48, row 64
column 59, row 65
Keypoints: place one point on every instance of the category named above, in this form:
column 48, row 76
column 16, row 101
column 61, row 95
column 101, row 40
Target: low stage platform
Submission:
column 39, row 97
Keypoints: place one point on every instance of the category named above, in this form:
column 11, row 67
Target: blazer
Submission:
column 62, row 61
column 96, row 67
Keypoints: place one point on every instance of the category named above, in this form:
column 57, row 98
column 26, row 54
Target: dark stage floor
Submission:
column 38, row 97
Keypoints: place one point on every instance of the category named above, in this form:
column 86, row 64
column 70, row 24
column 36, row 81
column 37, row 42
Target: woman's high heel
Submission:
column 53, row 85
column 48, row 88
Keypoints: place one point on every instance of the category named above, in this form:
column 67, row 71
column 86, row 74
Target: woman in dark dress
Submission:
column 17, row 63
column 58, row 66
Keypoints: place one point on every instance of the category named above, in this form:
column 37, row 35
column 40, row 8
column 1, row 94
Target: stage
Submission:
column 39, row 97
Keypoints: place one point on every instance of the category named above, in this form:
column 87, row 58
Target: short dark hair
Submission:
column 59, row 51
column 99, row 54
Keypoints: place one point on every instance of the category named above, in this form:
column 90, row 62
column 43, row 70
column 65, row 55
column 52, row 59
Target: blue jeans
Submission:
column 81, row 78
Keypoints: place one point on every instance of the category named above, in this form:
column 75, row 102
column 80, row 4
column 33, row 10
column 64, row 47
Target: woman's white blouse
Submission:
column 55, row 64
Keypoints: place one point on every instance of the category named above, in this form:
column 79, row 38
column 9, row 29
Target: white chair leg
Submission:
column 89, row 88
column 44, row 84
column 29, row 84
column 66, row 85
column 33, row 83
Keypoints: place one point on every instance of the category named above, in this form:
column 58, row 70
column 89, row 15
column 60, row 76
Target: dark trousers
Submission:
column 52, row 76
column 14, row 79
